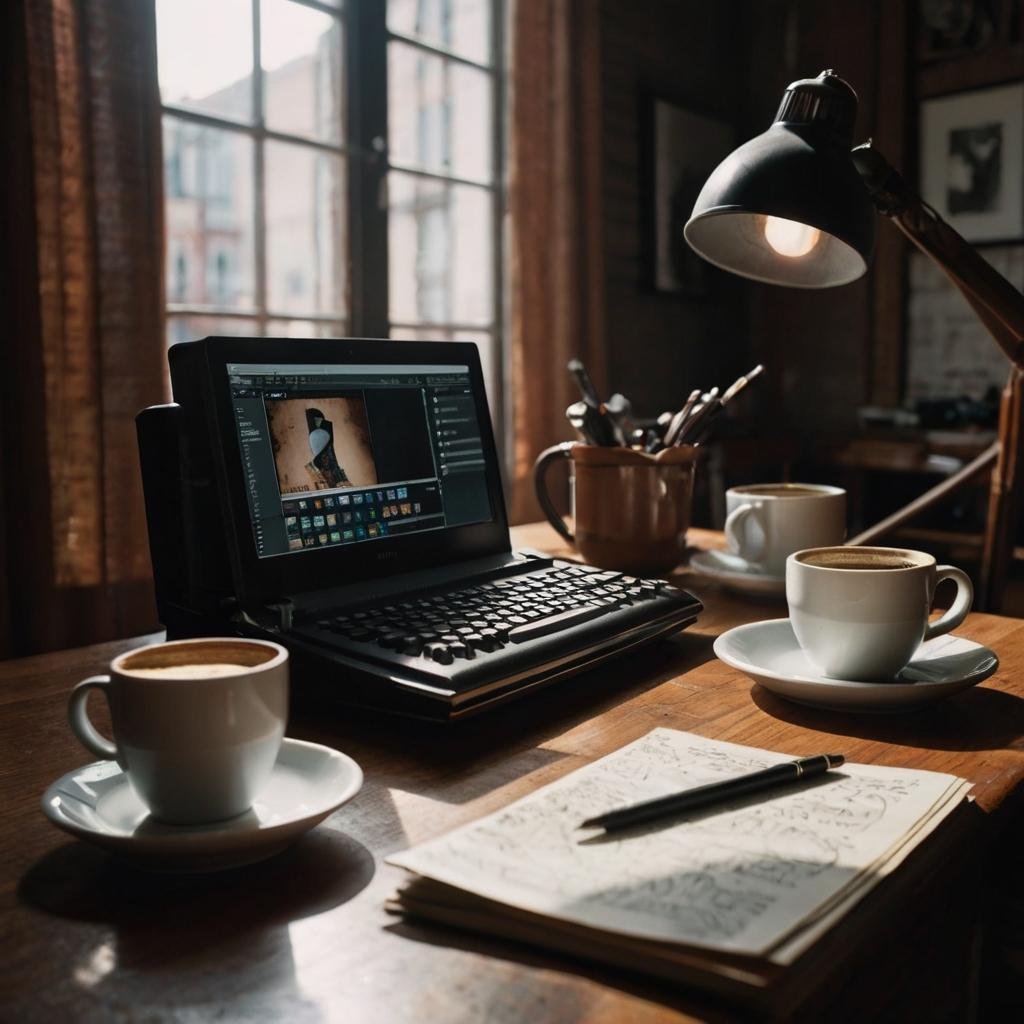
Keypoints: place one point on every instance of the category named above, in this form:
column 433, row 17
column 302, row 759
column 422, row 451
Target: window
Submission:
column 333, row 167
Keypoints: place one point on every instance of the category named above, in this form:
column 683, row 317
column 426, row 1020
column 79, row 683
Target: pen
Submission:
column 776, row 777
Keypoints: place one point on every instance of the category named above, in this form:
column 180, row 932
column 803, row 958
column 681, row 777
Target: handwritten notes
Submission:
column 745, row 879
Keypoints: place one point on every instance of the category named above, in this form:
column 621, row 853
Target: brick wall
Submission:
column 949, row 352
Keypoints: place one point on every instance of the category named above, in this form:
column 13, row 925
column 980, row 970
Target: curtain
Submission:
column 556, row 270
column 82, row 242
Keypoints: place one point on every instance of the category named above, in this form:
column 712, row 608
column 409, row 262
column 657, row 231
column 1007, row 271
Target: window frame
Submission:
column 364, row 150
column 260, row 134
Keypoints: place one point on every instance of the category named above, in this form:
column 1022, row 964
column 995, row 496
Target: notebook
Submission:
column 725, row 898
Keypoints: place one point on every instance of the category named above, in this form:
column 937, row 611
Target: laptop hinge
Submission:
column 276, row 615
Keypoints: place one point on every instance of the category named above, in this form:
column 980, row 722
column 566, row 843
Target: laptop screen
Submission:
column 338, row 454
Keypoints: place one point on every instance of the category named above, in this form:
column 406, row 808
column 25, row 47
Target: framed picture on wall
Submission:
column 682, row 147
column 972, row 161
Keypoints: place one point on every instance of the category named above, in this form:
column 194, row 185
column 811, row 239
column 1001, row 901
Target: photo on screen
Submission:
column 321, row 443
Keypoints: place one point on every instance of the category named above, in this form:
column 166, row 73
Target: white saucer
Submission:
column 737, row 574
column 768, row 652
column 95, row 803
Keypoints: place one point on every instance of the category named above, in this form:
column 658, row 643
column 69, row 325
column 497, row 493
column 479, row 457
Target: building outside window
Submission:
column 334, row 168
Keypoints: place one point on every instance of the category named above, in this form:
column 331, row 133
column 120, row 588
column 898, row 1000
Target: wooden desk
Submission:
column 304, row 938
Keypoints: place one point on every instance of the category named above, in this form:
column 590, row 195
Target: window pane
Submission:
column 190, row 328
column 305, row 215
column 300, row 51
column 461, row 26
column 440, row 252
column 208, row 177
column 439, row 114
column 204, row 50
column 305, row 329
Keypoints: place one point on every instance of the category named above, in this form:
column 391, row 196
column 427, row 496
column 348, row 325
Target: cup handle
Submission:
column 733, row 524
column 957, row 611
column 78, row 718
column 540, row 477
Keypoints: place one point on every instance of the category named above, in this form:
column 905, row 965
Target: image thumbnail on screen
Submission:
column 321, row 443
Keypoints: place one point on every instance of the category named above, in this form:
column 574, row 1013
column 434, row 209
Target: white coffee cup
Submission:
column 768, row 522
column 860, row 613
column 197, row 723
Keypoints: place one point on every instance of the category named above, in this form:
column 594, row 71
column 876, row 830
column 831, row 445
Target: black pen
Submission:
column 776, row 777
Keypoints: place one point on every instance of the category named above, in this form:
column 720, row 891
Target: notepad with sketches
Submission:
column 727, row 896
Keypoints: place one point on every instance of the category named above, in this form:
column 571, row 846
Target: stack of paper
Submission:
column 726, row 895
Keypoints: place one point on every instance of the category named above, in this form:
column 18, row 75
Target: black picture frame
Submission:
column 971, row 162
column 681, row 146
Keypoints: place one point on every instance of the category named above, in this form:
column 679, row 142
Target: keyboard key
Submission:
column 482, row 643
column 410, row 645
column 441, row 653
column 554, row 623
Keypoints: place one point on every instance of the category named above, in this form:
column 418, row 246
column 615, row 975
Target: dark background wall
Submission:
column 661, row 345
column 817, row 344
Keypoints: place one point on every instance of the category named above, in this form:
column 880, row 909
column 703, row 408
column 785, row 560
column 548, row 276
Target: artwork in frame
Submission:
column 683, row 148
column 972, row 161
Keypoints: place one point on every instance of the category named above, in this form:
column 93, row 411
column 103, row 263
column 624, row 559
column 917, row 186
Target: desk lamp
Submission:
column 795, row 206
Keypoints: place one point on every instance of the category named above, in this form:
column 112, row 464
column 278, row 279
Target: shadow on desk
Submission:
column 975, row 719
column 81, row 883
column 174, row 947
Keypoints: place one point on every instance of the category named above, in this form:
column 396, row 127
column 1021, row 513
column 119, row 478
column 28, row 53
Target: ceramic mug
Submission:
column 197, row 723
column 860, row 613
column 630, row 510
column 765, row 523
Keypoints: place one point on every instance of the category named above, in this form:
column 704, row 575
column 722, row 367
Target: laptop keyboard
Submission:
column 465, row 622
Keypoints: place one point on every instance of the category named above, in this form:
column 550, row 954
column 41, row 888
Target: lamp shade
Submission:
column 788, row 207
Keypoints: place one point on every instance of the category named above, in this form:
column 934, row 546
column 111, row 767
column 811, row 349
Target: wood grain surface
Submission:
column 303, row 937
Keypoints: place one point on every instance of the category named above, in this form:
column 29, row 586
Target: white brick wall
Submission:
column 949, row 352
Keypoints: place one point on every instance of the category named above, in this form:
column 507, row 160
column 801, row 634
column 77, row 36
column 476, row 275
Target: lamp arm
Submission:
column 998, row 304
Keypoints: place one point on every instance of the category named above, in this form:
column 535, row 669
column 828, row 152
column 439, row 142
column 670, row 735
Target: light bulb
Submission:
column 790, row 237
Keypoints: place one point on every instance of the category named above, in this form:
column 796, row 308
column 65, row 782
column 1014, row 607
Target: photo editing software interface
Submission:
column 336, row 454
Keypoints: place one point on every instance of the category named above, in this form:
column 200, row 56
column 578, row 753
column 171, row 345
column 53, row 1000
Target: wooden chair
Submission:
column 1002, row 460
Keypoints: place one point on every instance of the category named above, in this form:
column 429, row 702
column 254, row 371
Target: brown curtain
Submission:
column 84, row 337
column 556, row 264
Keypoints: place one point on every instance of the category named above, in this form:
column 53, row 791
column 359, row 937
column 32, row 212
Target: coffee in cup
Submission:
column 766, row 523
column 197, row 723
column 860, row 613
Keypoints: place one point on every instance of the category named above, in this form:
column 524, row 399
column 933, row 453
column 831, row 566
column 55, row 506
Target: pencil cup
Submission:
column 631, row 510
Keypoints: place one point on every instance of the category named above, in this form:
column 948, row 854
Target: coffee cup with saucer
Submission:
column 764, row 524
column 199, row 775
column 858, row 637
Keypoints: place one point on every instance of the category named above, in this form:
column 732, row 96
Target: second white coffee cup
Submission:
column 197, row 723
column 766, row 523
column 860, row 613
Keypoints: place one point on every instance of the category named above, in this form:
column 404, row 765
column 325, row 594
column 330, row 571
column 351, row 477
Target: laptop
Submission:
column 344, row 498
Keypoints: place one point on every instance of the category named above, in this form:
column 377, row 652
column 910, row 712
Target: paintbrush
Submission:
column 587, row 389
column 672, row 433
column 741, row 383
column 708, row 407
